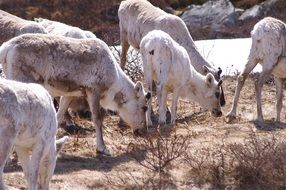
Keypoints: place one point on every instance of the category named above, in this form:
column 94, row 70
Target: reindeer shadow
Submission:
column 188, row 118
column 12, row 167
column 69, row 163
column 269, row 125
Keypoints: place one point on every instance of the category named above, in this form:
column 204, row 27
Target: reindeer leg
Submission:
column 7, row 138
column 162, row 98
column 97, row 117
column 149, row 83
column 34, row 164
column 174, row 105
column 24, row 158
column 279, row 96
column 47, row 166
column 124, row 48
column 63, row 107
column 268, row 64
column 252, row 62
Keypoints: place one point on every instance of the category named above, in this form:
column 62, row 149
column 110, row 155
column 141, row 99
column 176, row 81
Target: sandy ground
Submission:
column 78, row 166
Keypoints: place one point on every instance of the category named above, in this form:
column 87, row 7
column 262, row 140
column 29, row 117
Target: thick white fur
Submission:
column 28, row 122
column 11, row 26
column 61, row 29
column 168, row 64
column 55, row 62
column 138, row 17
column 268, row 49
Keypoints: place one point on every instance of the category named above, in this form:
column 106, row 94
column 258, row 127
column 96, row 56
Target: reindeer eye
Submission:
column 217, row 95
column 144, row 108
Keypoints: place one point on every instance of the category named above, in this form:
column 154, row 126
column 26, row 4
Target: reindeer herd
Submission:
column 72, row 64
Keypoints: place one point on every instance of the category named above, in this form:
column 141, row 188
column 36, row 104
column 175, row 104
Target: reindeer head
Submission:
column 133, row 109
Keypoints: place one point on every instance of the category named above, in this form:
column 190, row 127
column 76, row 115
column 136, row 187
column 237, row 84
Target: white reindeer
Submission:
column 55, row 62
column 28, row 122
column 168, row 64
column 268, row 49
column 138, row 17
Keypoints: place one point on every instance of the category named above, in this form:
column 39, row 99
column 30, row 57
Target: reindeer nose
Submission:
column 216, row 112
column 139, row 132
column 85, row 113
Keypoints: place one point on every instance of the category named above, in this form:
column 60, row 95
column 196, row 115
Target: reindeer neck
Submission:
column 195, row 82
column 122, row 86
column 196, row 58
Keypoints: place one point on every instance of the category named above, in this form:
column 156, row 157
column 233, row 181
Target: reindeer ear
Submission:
column 209, row 80
column 206, row 70
column 139, row 90
column 219, row 71
column 148, row 95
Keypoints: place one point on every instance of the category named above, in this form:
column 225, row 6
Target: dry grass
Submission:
column 257, row 163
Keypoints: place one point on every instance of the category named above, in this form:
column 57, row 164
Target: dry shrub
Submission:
column 133, row 67
column 208, row 166
column 258, row 163
column 156, row 154
column 127, row 180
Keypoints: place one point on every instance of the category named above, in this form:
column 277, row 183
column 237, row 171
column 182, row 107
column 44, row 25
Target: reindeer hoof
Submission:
column 161, row 125
column 230, row 118
column 104, row 152
column 168, row 116
column 122, row 124
column 74, row 129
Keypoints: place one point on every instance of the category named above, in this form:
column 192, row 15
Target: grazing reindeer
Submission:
column 138, row 17
column 268, row 49
column 71, row 67
column 169, row 65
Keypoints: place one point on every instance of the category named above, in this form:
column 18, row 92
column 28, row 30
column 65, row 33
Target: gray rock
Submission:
column 274, row 8
column 252, row 13
column 210, row 19
column 219, row 18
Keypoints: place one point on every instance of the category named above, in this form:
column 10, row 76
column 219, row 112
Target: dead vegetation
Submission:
column 133, row 66
column 257, row 163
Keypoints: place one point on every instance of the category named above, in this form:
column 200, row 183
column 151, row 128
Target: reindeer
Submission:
column 268, row 49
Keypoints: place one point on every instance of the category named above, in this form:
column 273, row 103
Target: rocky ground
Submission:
column 207, row 139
